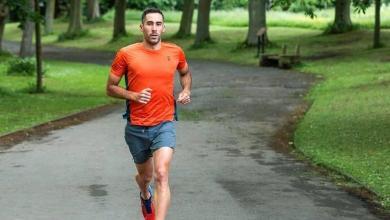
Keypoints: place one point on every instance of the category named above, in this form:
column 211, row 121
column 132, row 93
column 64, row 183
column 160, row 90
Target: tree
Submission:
column 3, row 16
column 119, row 19
column 203, row 23
column 377, row 28
column 75, row 19
column 26, row 46
column 342, row 20
column 49, row 16
column 38, row 47
column 93, row 10
column 186, row 19
column 257, row 20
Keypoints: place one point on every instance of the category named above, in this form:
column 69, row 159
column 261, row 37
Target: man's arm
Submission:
column 186, row 83
column 114, row 90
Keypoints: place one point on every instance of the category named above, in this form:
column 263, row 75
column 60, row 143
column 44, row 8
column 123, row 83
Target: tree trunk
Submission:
column 26, row 46
column 186, row 19
column 49, row 16
column 377, row 31
column 342, row 21
column 203, row 23
column 257, row 20
column 119, row 19
column 3, row 17
column 75, row 18
column 93, row 10
column 38, row 49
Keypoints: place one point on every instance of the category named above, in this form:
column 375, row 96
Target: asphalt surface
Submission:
column 223, row 167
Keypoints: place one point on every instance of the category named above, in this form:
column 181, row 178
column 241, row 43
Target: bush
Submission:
column 72, row 36
column 21, row 67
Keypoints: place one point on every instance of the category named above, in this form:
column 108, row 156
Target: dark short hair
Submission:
column 151, row 10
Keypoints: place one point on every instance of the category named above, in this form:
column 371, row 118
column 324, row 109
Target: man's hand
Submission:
column 184, row 97
column 144, row 96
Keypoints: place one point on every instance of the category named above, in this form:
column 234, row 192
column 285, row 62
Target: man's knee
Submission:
column 161, row 175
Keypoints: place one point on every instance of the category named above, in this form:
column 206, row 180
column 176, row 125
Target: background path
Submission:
column 223, row 168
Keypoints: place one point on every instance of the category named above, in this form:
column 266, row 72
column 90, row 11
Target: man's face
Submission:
column 152, row 28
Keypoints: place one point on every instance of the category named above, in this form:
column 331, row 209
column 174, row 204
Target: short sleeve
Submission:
column 182, row 60
column 119, row 65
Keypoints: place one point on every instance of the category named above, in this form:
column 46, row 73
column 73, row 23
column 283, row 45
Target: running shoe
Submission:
column 147, row 206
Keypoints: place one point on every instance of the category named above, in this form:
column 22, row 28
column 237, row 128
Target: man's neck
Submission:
column 152, row 47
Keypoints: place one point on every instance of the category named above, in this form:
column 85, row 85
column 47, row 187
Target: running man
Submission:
column 148, row 68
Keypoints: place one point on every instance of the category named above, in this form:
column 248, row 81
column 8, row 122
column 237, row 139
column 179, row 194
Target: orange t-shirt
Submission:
column 145, row 68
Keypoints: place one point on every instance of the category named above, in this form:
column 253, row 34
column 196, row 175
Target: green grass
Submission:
column 70, row 88
column 346, row 129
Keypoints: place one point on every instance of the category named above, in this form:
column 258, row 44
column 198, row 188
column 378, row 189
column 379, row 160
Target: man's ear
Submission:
column 141, row 27
column 163, row 30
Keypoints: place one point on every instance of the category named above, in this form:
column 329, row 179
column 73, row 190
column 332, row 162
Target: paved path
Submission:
column 223, row 168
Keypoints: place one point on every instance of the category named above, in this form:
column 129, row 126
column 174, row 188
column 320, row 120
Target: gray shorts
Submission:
column 144, row 140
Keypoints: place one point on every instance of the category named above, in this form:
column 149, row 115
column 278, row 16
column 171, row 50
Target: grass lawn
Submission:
column 70, row 88
column 347, row 127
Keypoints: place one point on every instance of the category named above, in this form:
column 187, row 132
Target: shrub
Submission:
column 72, row 36
column 21, row 67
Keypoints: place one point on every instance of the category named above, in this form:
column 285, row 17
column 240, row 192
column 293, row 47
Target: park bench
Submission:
column 282, row 60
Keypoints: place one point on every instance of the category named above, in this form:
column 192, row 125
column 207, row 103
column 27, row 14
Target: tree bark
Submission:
column 93, row 10
column 342, row 21
column 3, row 17
column 257, row 20
column 119, row 19
column 49, row 16
column 38, row 49
column 186, row 19
column 26, row 46
column 377, row 31
column 75, row 18
column 203, row 23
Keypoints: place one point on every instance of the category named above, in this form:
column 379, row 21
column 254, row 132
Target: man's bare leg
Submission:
column 162, row 159
column 144, row 177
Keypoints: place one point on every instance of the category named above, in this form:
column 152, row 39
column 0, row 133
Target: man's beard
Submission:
column 153, row 42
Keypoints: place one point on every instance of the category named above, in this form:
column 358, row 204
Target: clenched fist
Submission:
column 184, row 97
column 144, row 96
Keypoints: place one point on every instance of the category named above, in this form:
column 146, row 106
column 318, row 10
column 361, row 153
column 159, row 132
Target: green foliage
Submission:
column 21, row 67
column 20, row 11
column 4, row 54
column 106, row 5
column 62, row 8
column 309, row 7
column 161, row 4
column 73, row 36
column 228, row 4
column 361, row 5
